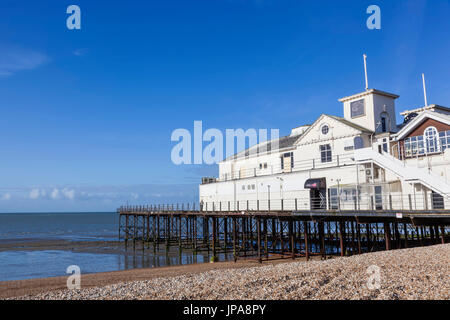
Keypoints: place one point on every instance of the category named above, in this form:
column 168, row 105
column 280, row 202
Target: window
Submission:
column 428, row 143
column 325, row 153
column 414, row 146
column 285, row 160
column 444, row 140
column 383, row 124
column 253, row 187
column 437, row 200
column 243, row 187
column 431, row 141
column 349, row 145
column 378, row 198
column 357, row 108
column 385, row 145
column 334, row 199
column 325, row 129
column 358, row 142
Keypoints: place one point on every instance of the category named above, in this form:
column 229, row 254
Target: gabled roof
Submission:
column 441, row 117
column 289, row 141
column 351, row 124
column 339, row 119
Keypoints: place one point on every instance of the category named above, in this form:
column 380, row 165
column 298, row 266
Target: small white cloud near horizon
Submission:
column 135, row 196
column 35, row 193
column 14, row 59
column 54, row 194
column 6, row 196
column 68, row 193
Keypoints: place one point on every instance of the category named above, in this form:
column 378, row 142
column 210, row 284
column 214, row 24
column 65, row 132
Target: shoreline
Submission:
column 420, row 273
column 33, row 244
column 17, row 288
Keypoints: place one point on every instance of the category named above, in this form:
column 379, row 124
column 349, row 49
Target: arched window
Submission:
column 358, row 143
column 385, row 122
column 431, row 141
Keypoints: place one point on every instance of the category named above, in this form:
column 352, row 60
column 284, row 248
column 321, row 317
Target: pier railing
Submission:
column 270, row 168
column 346, row 202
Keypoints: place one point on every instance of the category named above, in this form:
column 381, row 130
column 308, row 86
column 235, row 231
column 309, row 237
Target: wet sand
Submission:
column 18, row 288
column 58, row 244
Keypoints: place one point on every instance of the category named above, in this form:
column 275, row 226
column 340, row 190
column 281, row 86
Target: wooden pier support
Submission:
column 306, row 236
column 387, row 236
column 271, row 234
column 342, row 237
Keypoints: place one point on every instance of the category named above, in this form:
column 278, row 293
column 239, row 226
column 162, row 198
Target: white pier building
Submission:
column 362, row 161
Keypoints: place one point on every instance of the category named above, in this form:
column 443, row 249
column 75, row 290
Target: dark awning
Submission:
column 320, row 183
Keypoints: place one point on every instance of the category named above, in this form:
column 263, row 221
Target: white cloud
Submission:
column 34, row 194
column 54, row 194
column 80, row 52
column 14, row 59
column 134, row 195
column 6, row 196
column 68, row 193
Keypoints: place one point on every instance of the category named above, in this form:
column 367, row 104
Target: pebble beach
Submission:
column 418, row 273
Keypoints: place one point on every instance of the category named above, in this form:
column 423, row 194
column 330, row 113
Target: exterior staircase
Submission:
column 401, row 169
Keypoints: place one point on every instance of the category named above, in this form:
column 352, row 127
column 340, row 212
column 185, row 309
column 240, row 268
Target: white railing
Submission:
column 363, row 202
column 276, row 168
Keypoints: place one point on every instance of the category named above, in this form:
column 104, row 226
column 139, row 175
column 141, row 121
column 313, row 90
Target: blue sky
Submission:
column 87, row 115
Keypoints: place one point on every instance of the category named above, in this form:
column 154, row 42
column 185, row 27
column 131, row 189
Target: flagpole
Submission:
column 424, row 90
column 365, row 71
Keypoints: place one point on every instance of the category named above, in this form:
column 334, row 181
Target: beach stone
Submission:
column 415, row 273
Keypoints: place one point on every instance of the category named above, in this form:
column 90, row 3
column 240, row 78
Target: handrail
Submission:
column 299, row 165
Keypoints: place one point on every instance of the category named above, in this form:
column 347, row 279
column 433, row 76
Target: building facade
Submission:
column 362, row 161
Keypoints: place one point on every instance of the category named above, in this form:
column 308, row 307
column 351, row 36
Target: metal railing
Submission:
column 364, row 202
column 276, row 168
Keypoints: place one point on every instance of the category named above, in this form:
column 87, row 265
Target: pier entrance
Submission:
column 317, row 193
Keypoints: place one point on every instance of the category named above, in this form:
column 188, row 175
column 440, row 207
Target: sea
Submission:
column 41, row 245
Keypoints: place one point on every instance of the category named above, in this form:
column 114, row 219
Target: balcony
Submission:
column 297, row 166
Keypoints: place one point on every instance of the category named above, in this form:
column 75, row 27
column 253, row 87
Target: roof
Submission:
column 441, row 117
column 351, row 124
column 266, row 146
column 422, row 109
column 342, row 120
column 367, row 92
column 288, row 141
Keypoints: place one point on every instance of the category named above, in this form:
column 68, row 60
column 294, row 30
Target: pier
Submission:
column 266, row 234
